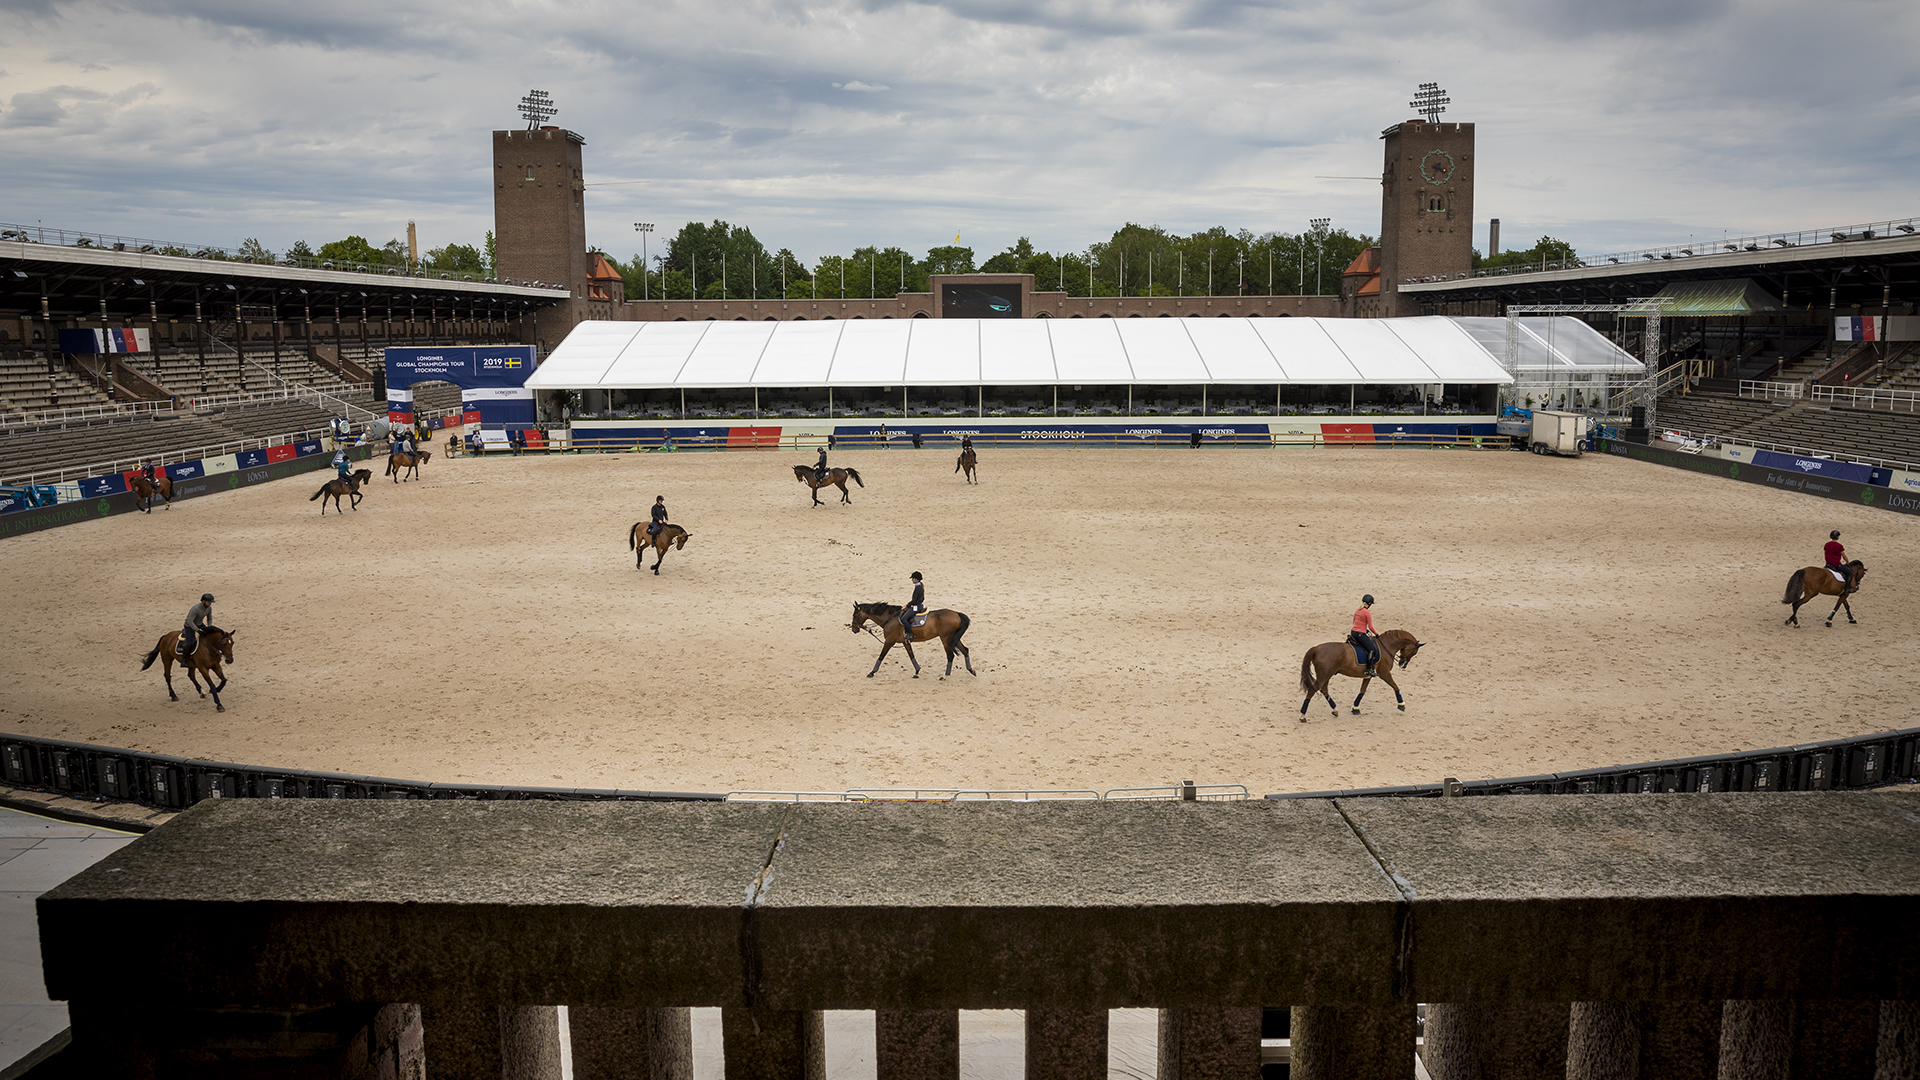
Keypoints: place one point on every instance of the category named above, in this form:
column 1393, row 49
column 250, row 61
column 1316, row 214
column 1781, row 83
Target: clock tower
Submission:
column 1426, row 209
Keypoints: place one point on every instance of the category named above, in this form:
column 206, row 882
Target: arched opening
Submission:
column 1135, row 315
column 710, row 318
column 679, row 318
column 1073, row 316
column 739, row 318
column 859, row 316
column 826, row 318
column 799, row 318
column 1104, row 315
column 1253, row 314
column 1041, row 315
column 1224, row 315
column 769, row 319
column 924, row 315
column 1166, row 314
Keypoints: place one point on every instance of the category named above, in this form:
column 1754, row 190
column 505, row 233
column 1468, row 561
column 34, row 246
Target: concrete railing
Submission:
column 1665, row 936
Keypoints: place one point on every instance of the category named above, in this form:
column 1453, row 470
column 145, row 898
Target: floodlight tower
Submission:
column 537, row 108
column 539, row 212
column 1426, row 201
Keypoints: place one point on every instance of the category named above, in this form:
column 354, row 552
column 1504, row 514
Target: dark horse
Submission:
column 1323, row 662
column 837, row 477
column 399, row 463
column 337, row 487
column 1814, row 581
column 639, row 542
column 214, row 647
column 967, row 460
column 941, row 623
column 144, row 490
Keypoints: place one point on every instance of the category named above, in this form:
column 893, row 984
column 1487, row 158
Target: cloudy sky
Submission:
column 835, row 123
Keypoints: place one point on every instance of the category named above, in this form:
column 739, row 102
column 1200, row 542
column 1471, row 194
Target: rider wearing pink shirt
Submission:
column 1836, row 554
column 1365, row 647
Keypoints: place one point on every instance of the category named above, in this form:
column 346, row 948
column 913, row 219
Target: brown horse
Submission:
column 941, row 623
column 399, row 463
column 1323, row 662
column 837, row 477
column 1814, row 581
column 215, row 646
column 337, row 487
column 144, row 490
column 669, row 536
column 967, row 460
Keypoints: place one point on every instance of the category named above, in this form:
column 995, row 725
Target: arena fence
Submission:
column 89, row 772
column 992, row 440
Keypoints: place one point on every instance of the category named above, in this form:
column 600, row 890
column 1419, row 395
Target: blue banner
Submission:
column 251, row 459
column 302, row 449
column 186, row 470
column 1822, row 468
column 94, row 487
column 462, row 365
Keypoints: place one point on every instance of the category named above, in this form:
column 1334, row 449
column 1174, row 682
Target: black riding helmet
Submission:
column 206, row 598
column 1834, row 535
column 1367, row 599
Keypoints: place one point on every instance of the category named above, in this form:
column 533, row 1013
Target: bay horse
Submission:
column 837, row 477
column 337, row 487
column 145, row 489
column 1323, row 662
column 941, row 623
column 398, row 463
column 214, row 647
column 967, row 460
column 669, row 535
column 1814, row 581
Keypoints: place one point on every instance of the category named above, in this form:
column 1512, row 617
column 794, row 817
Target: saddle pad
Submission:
column 1838, row 577
column 919, row 620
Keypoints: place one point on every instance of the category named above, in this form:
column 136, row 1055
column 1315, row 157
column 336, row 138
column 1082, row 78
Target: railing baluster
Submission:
column 917, row 1044
column 774, row 1044
column 1209, row 1043
column 1352, row 1042
column 631, row 1043
column 1067, row 1044
column 1519, row 1041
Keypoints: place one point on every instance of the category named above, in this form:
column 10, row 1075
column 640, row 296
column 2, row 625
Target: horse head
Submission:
column 681, row 540
column 221, row 641
column 1408, row 652
column 864, row 612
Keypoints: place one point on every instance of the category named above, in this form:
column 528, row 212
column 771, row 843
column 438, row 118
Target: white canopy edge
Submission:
column 1427, row 350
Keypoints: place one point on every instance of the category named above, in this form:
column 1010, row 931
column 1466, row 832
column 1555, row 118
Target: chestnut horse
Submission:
column 337, row 487
column 1814, row 581
column 215, row 645
column 145, row 489
column 399, row 463
column 669, row 536
column 837, row 477
column 941, row 623
column 967, row 461
column 1323, row 662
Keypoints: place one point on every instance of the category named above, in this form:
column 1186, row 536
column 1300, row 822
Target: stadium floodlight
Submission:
column 1611, row 259
column 1908, row 229
column 537, row 108
column 1782, row 243
column 1686, row 251
column 643, row 228
column 1732, row 247
column 1429, row 101
column 1648, row 257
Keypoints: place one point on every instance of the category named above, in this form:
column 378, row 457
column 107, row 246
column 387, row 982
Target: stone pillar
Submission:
column 1629, row 1040
column 1522, row 1041
column 920, row 1044
column 631, row 1044
column 489, row 1042
column 1066, row 1044
column 1898, row 1056
column 1209, row 1044
column 772, row 1044
column 1352, row 1042
column 1816, row 1039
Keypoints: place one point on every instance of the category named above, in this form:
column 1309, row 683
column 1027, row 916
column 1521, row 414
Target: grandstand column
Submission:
column 917, row 1044
column 631, row 1044
column 476, row 1041
column 1351, row 1042
column 1066, row 1044
column 1209, row 1043
column 1615, row 1040
column 773, row 1044
column 1465, row 1042
column 1765, row 1039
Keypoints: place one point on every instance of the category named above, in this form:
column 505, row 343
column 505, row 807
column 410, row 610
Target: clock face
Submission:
column 1437, row 166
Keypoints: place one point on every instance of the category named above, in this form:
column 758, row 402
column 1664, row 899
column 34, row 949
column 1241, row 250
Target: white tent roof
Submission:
column 1042, row 352
column 1557, row 344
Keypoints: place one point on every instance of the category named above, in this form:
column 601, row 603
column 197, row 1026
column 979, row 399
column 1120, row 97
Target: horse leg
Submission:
column 217, row 707
column 1364, row 682
column 1836, row 611
column 844, row 499
column 166, row 669
column 193, row 676
column 815, row 488
column 884, row 650
column 916, row 663
column 663, row 558
column 1793, row 617
column 1398, row 699
column 1847, row 602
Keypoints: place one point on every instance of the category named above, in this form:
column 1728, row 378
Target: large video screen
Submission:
column 980, row 301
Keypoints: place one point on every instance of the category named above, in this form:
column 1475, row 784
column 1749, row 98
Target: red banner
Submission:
column 1334, row 434
column 753, row 436
column 283, row 452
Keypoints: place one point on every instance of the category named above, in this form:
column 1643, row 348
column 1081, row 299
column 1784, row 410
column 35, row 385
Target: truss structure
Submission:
column 1644, row 391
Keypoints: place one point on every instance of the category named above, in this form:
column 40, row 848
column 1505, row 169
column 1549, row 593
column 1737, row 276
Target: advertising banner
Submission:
column 124, row 340
column 753, row 436
column 498, row 406
column 306, row 447
column 225, row 463
column 1859, row 328
column 283, row 452
column 94, row 487
column 1825, row 468
column 476, row 369
column 250, row 459
column 399, row 406
column 1824, row 487
column 186, row 470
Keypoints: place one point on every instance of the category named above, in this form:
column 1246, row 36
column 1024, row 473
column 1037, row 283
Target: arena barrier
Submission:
column 101, row 774
column 1824, row 477
column 669, row 443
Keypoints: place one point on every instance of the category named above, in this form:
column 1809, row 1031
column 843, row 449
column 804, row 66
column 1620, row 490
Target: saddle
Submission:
column 180, row 648
column 1838, row 576
column 919, row 620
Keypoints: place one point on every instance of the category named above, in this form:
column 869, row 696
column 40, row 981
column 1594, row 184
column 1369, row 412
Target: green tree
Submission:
column 454, row 258
column 952, row 259
column 717, row 252
column 300, row 250
column 493, row 254
column 252, row 250
column 352, row 249
column 1548, row 253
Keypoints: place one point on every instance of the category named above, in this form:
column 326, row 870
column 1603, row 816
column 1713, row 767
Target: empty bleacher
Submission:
column 1853, row 434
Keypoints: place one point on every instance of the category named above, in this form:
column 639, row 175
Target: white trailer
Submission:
column 1562, row 433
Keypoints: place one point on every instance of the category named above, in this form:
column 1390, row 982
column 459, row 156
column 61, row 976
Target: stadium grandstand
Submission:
column 112, row 350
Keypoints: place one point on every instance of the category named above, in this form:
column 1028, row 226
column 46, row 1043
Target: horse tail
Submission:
column 1795, row 585
column 317, row 494
column 855, row 473
column 954, row 641
column 957, row 462
column 1306, row 673
column 148, row 662
column 632, row 536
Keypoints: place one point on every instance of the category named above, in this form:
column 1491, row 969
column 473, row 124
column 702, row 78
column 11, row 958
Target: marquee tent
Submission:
column 1432, row 350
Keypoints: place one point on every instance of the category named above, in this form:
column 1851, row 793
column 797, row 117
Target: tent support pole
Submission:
column 829, row 402
column 1353, row 399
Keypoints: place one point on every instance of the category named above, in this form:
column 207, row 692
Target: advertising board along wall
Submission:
column 1033, row 431
column 1885, row 488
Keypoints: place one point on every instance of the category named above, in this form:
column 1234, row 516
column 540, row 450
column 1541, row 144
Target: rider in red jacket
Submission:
column 1837, row 557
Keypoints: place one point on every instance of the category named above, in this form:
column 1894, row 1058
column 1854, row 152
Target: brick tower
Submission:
column 1426, row 208
column 540, row 218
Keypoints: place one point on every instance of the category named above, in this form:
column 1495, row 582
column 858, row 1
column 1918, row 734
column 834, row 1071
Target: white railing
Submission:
column 1686, row 435
column 1770, row 391
column 80, row 413
column 1867, row 397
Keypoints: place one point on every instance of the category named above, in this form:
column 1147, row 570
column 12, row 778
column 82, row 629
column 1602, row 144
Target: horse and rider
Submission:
column 898, row 624
column 1838, row 576
column 1357, row 658
column 968, row 459
column 199, row 647
column 152, row 481
column 660, row 535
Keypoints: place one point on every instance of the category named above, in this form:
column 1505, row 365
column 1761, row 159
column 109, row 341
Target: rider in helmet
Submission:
column 1837, row 558
column 340, row 463
column 915, row 606
column 820, row 468
column 1365, row 646
column 659, row 515
column 199, row 617
column 148, row 470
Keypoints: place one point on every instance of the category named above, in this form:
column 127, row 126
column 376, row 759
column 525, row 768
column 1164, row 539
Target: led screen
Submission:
column 980, row 301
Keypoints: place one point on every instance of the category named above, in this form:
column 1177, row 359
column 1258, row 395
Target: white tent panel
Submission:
column 1015, row 352
column 1088, row 351
column 1232, row 350
column 584, row 357
column 873, row 352
column 1160, row 351
column 655, row 356
column 727, row 355
column 1582, row 348
column 1446, row 350
column 943, row 352
column 1376, row 352
column 799, row 354
column 1305, row 352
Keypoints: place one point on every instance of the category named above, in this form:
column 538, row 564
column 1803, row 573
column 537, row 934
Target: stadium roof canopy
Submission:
column 1038, row 352
column 1554, row 345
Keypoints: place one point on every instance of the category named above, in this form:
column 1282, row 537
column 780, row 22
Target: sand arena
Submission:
column 1138, row 618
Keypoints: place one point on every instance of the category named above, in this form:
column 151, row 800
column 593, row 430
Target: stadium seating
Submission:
column 1854, row 434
